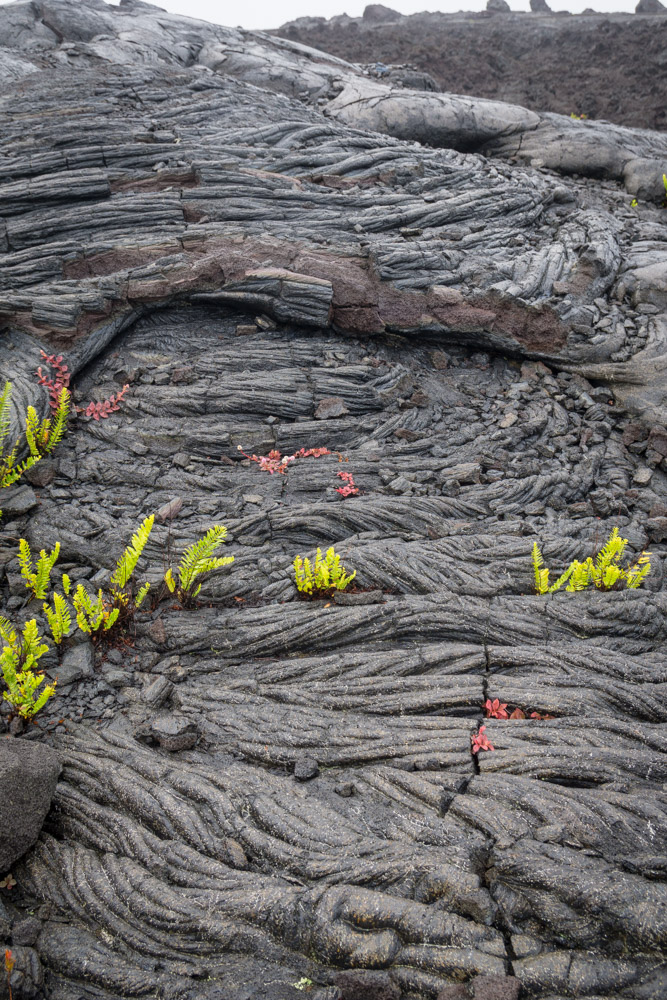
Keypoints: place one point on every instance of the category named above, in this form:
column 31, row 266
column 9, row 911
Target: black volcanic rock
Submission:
column 242, row 230
column 377, row 13
column 28, row 776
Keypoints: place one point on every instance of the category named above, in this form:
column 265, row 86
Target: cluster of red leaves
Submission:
column 350, row 488
column 56, row 383
column 480, row 741
column 498, row 710
column 277, row 462
column 60, row 380
column 105, row 408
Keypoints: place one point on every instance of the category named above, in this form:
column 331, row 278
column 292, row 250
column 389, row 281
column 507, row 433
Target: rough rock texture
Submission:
column 28, row 776
column 602, row 65
column 264, row 789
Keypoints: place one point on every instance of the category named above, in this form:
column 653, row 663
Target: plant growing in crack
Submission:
column 197, row 563
column 323, row 576
column 41, row 437
column 498, row 710
column 350, row 488
column 37, row 579
column 480, row 741
column 58, row 382
column 18, row 660
column 275, row 461
column 604, row 573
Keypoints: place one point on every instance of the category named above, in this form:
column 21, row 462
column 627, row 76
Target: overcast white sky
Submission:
column 273, row 13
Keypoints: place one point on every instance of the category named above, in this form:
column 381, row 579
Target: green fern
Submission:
column 59, row 618
column 126, row 564
column 604, row 573
column 41, row 436
column 37, row 581
column 18, row 659
column 325, row 574
column 196, row 561
column 91, row 616
column 139, row 599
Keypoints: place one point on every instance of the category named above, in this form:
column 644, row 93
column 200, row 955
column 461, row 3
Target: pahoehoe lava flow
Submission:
column 465, row 303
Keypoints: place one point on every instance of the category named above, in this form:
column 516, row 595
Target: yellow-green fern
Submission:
column 18, row 660
column 196, row 561
column 59, row 618
column 126, row 564
column 37, row 580
column 91, row 616
column 605, row 572
column 325, row 574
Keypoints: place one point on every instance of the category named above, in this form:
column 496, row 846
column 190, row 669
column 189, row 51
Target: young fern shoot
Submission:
column 18, row 659
column 604, row 573
column 91, row 616
column 125, row 566
column 196, row 563
column 59, row 618
column 39, row 580
column 325, row 575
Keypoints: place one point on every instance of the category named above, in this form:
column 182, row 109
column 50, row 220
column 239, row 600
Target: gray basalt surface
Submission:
column 263, row 789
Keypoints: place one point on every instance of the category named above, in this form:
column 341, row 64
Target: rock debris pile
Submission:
column 458, row 301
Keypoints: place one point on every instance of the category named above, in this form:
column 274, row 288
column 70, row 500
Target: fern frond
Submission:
column 58, row 424
column 139, row 599
column 38, row 582
column 10, row 473
column 17, row 661
column 59, row 618
column 325, row 574
column 5, row 402
column 32, row 431
column 92, row 615
column 198, row 557
column 25, row 561
column 611, row 551
column 130, row 557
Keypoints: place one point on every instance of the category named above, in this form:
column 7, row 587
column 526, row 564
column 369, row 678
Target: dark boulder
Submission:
column 28, row 775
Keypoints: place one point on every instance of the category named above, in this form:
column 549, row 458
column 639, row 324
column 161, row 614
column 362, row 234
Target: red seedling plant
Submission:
column 275, row 461
column 495, row 710
column 498, row 710
column 480, row 741
column 350, row 487
column 60, row 380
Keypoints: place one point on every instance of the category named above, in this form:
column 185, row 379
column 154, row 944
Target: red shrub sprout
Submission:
column 350, row 488
column 497, row 709
column 60, row 380
column 276, row 462
column 480, row 741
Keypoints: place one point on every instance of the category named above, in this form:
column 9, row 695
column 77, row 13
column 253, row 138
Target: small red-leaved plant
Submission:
column 498, row 710
column 350, row 488
column 495, row 710
column 480, row 741
column 275, row 461
column 60, row 380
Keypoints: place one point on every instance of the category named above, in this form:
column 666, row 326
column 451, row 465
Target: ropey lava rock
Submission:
column 28, row 775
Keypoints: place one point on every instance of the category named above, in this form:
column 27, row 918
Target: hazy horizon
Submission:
column 258, row 14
